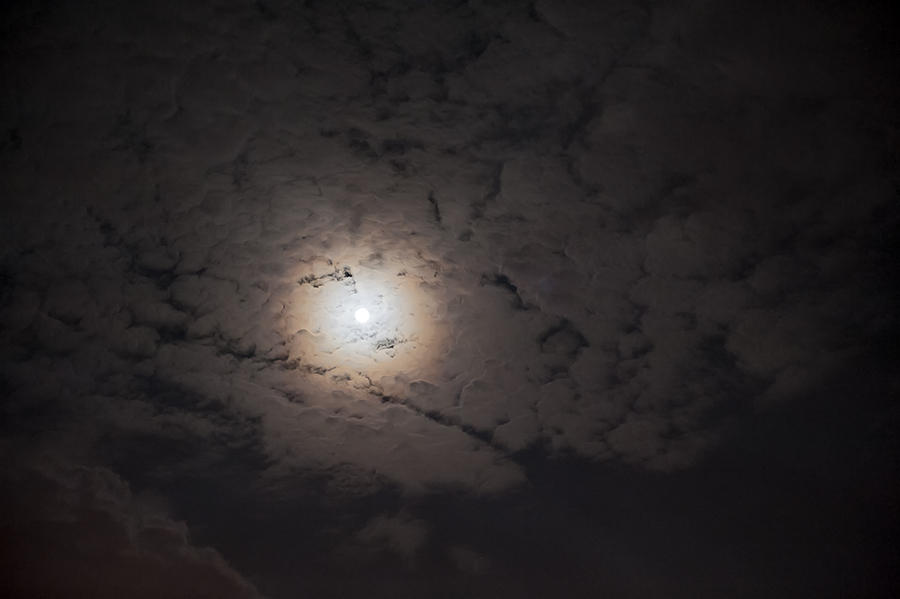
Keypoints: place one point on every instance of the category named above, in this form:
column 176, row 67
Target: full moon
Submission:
column 361, row 315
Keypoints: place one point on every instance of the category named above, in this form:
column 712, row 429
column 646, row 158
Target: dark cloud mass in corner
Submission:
column 628, row 271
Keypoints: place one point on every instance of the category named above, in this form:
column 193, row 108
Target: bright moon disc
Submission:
column 362, row 315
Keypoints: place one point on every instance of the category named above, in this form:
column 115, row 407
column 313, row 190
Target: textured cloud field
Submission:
column 600, row 230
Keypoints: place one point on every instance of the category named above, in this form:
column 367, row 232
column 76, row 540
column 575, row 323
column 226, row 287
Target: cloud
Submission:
column 402, row 535
column 598, row 231
column 77, row 531
column 469, row 561
column 605, row 249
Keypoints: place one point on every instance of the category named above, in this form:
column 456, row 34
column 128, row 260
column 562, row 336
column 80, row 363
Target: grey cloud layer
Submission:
column 623, row 243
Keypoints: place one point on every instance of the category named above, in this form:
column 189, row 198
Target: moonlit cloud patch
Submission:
column 398, row 252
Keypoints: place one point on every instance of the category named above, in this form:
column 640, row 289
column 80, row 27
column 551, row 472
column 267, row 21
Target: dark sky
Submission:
column 631, row 275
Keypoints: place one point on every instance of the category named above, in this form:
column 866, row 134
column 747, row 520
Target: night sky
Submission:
column 630, row 267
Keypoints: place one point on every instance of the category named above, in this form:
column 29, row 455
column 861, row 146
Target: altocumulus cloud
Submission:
column 602, row 250
column 601, row 292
